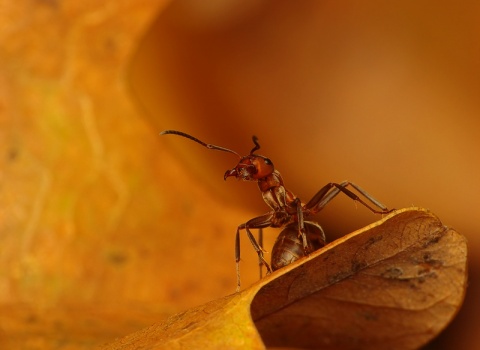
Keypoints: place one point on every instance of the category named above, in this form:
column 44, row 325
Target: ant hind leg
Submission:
column 331, row 190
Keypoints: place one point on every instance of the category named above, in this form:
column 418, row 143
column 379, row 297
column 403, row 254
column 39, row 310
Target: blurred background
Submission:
column 106, row 227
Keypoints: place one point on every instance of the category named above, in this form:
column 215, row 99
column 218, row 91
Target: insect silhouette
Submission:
column 299, row 237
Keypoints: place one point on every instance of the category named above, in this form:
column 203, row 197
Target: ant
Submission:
column 299, row 237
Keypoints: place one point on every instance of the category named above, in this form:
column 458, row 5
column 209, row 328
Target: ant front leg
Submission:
column 255, row 223
column 331, row 190
column 260, row 243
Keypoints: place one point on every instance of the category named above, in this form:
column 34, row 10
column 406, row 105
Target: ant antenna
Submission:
column 207, row 145
column 257, row 145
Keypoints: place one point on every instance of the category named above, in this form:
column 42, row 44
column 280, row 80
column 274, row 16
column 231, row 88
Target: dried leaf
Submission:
column 221, row 324
column 394, row 284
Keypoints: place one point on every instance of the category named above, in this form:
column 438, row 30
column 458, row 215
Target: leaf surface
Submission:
column 393, row 284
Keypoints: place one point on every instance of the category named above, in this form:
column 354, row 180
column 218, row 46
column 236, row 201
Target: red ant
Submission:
column 299, row 237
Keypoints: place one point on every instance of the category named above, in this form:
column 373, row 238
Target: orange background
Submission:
column 103, row 219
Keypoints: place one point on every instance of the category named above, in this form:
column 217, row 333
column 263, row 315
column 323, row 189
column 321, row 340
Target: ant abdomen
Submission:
column 288, row 246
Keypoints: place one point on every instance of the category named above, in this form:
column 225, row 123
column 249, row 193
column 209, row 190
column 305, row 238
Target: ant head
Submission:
column 250, row 168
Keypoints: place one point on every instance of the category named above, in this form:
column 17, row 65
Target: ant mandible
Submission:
column 299, row 237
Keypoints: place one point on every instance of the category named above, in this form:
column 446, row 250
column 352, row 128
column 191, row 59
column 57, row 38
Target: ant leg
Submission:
column 370, row 197
column 326, row 194
column 301, row 226
column 260, row 243
column 258, row 249
column 255, row 223
column 237, row 257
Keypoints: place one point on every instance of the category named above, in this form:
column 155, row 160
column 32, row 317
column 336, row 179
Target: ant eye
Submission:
column 264, row 167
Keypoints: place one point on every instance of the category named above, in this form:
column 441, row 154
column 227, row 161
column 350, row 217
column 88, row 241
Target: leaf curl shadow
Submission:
column 394, row 284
